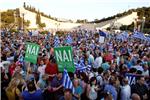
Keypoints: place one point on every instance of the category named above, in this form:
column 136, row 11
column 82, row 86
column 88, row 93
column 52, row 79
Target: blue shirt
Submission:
column 78, row 90
column 37, row 95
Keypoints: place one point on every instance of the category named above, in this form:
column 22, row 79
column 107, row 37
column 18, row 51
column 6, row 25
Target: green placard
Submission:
column 64, row 58
column 32, row 51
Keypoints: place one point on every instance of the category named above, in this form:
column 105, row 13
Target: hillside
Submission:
column 144, row 11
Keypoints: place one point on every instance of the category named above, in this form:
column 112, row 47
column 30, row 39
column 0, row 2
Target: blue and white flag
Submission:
column 101, row 33
column 67, row 83
column 29, row 33
column 82, row 67
column 69, row 39
column 56, row 41
column 47, row 36
column 148, row 38
column 123, row 36
column 138, row 35
column 21, row 59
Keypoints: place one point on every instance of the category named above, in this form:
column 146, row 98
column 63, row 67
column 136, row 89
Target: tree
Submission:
column 127, row 27
column 42, row 25
column 24, row 5
column 7, row 19
column 11, row 19
column 27, row 23
column 38, row 18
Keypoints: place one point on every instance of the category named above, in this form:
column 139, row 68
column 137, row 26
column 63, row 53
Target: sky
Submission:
column 78, row 9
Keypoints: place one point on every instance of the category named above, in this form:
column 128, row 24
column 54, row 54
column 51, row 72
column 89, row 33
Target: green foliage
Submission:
column 127, row 27
column 44, row 32
column 144, row 11
column 11, row 18
column 42, row 25
column 146, row 30
column 82, row 21
column 27, row 23
column 141, row 12
column 108, row 28
column 24, row 5
column 60, row 33
column 38, row 18
column 7, row 17
column 14, row 30
column 38, row 21
column 33, row 9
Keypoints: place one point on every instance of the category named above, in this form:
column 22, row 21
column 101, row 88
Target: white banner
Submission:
column 101, row 39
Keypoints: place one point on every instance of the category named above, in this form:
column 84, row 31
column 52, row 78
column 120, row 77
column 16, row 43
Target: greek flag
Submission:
column 20, row 59
column 138, row 35
column 47, row 36
column 56, row 41
column 123, row 36
column 82, row 67
column 30, row 33
column 148, row 38
column 101, row 33
column 69, row 39
column 67, row 83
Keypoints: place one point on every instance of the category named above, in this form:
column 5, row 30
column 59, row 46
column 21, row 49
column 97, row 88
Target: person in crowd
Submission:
column 140, row 88
column 135, row 97
column 111, row 87
column 67, row 95
column 98, row 61
column 12, row 91
column 84, row 83
column 138, row 65
column 107, row 96
column 90, row 58
column 32, row 91
column 4, row 82
column 56, row 83
column 41, row 68
column 105, row 65
column 145, row 70
column 125, row 90
column 78, row 89
column 101, row 65
column 42, row 82
column 51, row 68
column 92, row 89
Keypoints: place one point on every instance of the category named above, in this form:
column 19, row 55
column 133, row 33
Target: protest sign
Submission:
column 101, row 39
column 32, row 51
column 64, row 58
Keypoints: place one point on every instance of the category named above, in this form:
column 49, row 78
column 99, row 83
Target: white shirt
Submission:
column 91, row 59
column 138, row 67
column 145, row 73
column 98, row 62
column 41, row 69
column 125, row 92
column 100, row 80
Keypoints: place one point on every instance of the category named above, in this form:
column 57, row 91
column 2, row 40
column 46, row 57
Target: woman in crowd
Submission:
column 12, row 91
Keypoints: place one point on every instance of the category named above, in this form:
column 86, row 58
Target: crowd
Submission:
column 113, row 70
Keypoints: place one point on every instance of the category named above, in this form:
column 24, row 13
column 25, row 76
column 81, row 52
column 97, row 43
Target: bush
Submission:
column 44, row 32
column 60, row 33
column 14, row 30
